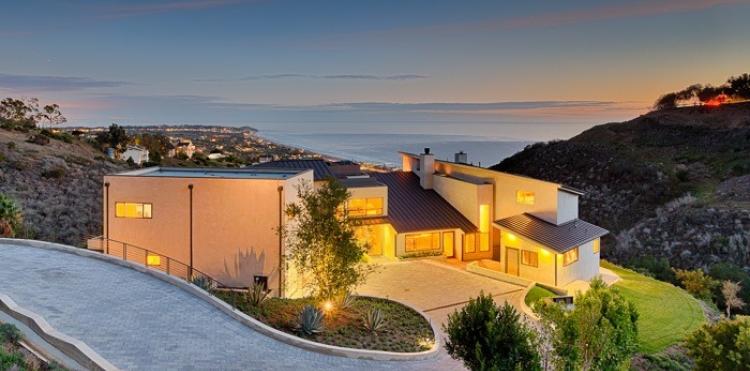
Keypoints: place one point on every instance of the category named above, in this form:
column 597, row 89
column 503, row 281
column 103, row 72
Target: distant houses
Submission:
column 137, row 154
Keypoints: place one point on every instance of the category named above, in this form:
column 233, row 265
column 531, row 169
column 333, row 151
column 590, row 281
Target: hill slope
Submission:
column 632, row 170
column 57, row 185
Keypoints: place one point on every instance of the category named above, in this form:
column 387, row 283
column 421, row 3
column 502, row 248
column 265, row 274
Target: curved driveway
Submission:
column 139, row 322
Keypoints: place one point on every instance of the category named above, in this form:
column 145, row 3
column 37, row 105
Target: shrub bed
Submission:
column 404, row 330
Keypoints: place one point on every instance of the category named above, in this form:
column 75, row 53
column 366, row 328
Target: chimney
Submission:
column 461, row 158
column 426, row 169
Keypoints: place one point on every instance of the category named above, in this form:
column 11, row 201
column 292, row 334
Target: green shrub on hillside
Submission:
column 697, row 283
column 731, row 272
column 721, row 346
column 10, row 217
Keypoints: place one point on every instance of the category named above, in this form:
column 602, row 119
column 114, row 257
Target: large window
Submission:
column 597, row 246
column 525, row 197
column 530, row 258
column 470, row 243
column 484, row 228
column 422, row 242
column 369, row 206
column 132, row 210
column 570, row 257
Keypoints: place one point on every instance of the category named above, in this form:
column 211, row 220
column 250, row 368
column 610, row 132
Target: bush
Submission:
column 310, row 321
column 10, row 334
column 697, row 283
column 731, row 272
column 12, row 361
column 486, row 337
column 655, row 267
column 721, row 346
column 10, row 217
column 599, row 333
column 257, row 295
column 54, row 173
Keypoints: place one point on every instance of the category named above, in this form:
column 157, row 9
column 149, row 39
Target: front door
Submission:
column 448, row 246
column 511, row 261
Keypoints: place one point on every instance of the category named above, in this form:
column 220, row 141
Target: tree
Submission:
column 486, row 337
column 51, row 115
column 697, row 283
column 18, row 114
column 322, row 244
column 115, row 137
column 730, row 291
column 740, row 85
column 724, row 345
column 10, row 217
column 600, row 331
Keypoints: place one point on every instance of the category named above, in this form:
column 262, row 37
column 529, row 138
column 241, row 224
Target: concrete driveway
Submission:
column 436, row 288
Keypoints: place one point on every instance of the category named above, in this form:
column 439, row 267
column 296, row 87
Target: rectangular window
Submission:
column 132, row 210
column 530, row 258
column 525, row 197
column 369, row 206
column 597, row 246
column 470, row 244
column 422, row 242
column 484, row 228
column 570, row 257
column 261, row 280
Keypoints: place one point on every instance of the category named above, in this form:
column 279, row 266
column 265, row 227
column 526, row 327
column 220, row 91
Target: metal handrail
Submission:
column 160, row 262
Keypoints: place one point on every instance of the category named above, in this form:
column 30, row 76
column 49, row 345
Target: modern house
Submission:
column 513, row 226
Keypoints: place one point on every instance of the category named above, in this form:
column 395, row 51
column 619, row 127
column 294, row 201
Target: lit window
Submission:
column 530, row 258
column 153, row 260
column 132, row 210
column 597, row 246
column 422, row 242
column 525, row 197
column 570, row 257
column 365, row 206
column 470, row 243
column 484, row 227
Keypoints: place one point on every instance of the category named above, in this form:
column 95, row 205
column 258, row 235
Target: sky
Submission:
column 365, row 66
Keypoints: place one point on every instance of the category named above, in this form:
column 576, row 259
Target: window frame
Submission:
column 565, row 254
column 365, row 210
column 530, row 253
column 523, row 197
column 432, row 237
column 143, row 206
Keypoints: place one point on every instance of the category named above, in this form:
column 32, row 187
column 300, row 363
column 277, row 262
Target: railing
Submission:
column 160, row 262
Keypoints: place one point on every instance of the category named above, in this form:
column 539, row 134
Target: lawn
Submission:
column 404, row 330
column 536, row 293
column 666, row 313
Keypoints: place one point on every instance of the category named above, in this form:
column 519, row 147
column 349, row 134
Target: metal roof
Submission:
column 361, row 182
column 320, row 168
column 560, row 238
column 412, row 208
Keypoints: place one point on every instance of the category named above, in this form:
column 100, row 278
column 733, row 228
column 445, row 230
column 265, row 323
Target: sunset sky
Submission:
column 365, row 62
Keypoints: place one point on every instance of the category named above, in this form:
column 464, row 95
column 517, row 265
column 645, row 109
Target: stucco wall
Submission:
column 235, row 222
column 544, row 273
column 464, row 196
column 586, row 268
column 567, row 207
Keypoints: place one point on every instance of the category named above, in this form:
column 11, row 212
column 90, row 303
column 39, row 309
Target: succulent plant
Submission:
column 257, row 295
column 373, row 320
column 310, row 320
column 347, row 300
column 203, row 282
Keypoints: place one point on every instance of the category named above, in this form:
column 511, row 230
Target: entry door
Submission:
column 448, row 245
column 511, row 261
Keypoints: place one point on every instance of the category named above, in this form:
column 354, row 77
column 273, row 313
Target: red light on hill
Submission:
column 717, row 100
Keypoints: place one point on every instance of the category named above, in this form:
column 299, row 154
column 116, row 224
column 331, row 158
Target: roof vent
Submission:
column 427, row 150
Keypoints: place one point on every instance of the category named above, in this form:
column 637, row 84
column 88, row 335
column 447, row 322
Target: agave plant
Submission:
column 373, row 320
column 310, row 320
column 347, row 300
column 257, row 295
column 203, row 282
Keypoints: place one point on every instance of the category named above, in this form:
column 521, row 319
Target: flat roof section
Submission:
column 170, row 172
column 364, row 182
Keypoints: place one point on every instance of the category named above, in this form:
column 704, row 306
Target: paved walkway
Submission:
column 435, row 287
column 138, row 322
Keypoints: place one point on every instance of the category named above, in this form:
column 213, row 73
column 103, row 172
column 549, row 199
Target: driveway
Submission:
column 435, row 288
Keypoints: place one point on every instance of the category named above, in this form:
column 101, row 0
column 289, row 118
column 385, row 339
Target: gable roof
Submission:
column 320, row 168
column 560, row 238
column 412, row 209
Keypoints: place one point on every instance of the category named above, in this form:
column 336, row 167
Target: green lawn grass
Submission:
column 537, row 293
column 666, row 313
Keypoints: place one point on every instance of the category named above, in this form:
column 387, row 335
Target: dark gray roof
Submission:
column 361, row 182
column 412, row 209
column 319, row 167
column 560, row 238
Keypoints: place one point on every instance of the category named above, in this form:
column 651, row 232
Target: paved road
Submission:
column 138, row 322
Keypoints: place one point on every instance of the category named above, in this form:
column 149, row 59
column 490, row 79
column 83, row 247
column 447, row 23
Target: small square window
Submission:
column 530, row 258
column 261, row 280
column 153, row 260
column 570, row 257
column 525, row 197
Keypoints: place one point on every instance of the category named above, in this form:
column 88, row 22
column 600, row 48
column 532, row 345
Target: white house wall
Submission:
column 586, row 268
column 567, row 207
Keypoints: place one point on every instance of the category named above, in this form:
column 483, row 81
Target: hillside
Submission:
column 57, row 185
column 636, row 175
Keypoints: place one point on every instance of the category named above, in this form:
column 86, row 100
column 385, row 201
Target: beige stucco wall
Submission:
column 235, row 222
column 544, row 273
column 506, row 186
column 464, row 196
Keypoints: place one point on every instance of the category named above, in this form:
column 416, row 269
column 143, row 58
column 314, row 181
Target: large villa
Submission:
column 224, row 222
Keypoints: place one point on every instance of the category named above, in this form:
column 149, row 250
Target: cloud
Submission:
column 53, row 83
column 284, row 76
column 157, row 7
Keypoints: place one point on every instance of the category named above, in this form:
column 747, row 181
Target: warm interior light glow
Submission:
column 153, row 260
column 525, row 197
column 511, row 236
